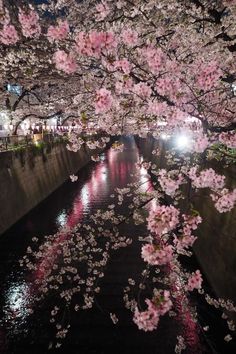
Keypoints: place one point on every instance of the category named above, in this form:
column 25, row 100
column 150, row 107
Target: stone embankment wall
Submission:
column 29, row 176
column 215, row 247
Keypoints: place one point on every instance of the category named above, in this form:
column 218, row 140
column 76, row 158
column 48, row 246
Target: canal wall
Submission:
column 29, row 175
column 215, row 247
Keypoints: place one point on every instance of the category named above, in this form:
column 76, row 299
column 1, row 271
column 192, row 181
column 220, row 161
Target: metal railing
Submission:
column 13, row 142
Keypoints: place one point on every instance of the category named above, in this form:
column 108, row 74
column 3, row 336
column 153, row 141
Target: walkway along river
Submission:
column 25, row 317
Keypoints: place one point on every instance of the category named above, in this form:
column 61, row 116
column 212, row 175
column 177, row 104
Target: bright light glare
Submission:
column 164, row 136
column 18, row 300
column 160, row 123
column 182, row 142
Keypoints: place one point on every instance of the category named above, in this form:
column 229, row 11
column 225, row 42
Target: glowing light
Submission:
column 182, row 142
column 165, row 136
column 160, row 123
column 85, row 195
column 18, row 299
column 62, row 219
column 234, row 89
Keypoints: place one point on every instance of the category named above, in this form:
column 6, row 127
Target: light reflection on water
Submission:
column 89, row 193
column 112, row 171
column 18, row 306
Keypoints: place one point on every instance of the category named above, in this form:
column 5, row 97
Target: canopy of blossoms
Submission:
column 165, row 68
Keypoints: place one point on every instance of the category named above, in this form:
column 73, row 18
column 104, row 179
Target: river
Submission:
column 91, row 331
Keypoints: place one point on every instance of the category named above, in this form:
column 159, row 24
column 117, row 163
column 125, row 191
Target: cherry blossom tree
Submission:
column 134, row 67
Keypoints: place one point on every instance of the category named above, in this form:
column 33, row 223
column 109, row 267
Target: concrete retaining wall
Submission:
column 27, row 178
column 215, row 247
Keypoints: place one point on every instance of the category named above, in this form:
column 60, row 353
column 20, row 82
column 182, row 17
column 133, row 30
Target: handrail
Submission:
column 11, row 142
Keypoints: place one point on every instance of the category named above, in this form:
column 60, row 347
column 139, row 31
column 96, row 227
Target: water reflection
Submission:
column 61, row 219
column 18, row 306
column 89, row 193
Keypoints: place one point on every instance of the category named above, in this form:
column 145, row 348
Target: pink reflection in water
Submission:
column 111, row 173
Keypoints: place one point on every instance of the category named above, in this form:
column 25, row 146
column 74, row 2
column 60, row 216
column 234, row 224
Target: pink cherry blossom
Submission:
column 143, row 90
column 162, row 301
column 8, row 35
column 154, row 57
column 208, row 75
column 157, row 255
column 158, row 306
column 29, row 23
column 124, row 65
column 228, row 139
column 225, row 200
column 103, row 11
column 169, row 185
column 163, row 219
column 129, row 37
column 60, row 32
column 94, row 42
column 194, row 281
column 146, row 320
column 200, row 144
column 103, row 101
column 65, row 62
column 206, row 179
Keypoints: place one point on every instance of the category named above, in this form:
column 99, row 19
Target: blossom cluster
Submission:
column 228, row 139
column 103, row 100
column 8, row 35
column 158, row 306
column 157, row 255
column 194, row 281
column 60, row 32
column 103, row 10
column 186, row 239
column 29, row 23
column 224, row 200
column 206, row 178
column 94, row 42
column 163, row 219
column 65, row 61
column 169, row 184
column 208, row 75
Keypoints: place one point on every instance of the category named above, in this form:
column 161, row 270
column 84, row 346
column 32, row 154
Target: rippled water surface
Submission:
column 92, row 331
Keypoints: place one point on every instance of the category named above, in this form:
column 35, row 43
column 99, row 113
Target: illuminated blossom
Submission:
column 146, row 320
column 157, row 255
column 60, row 32
column 163, row 219
column 200, row 144
column 8, row 35
column 29, row 23
column 158, row 306
column 129, row 37
column 228, row 139
column 206, row 179
column 94, row 42
column 103, row 11
column 168, row 184
column 194, row 281
column 225, row 200
column 103, row 100
column 73, row 178
column 65, row 62
column 208, row 74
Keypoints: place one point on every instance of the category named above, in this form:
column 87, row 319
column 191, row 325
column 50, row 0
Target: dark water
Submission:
column 92, row 330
